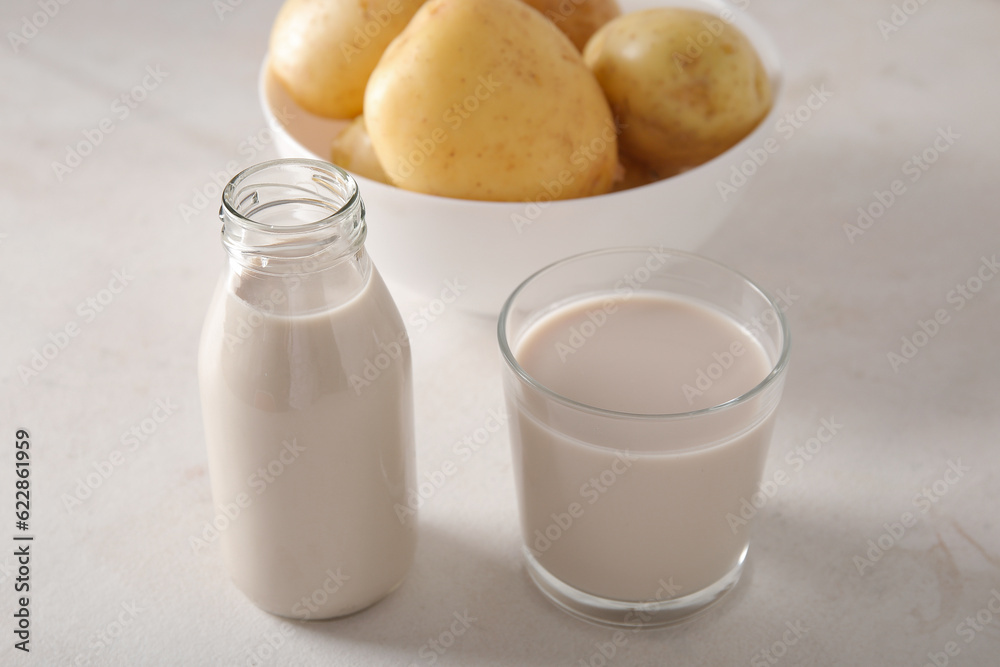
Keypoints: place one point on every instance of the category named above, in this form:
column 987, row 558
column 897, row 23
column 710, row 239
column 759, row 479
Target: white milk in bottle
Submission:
column 306, row 390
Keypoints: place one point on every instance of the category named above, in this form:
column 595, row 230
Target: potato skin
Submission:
column 488, row 100
column 578, row 19
column 684, row 84
column 632, row 174
column 352, row 150
column 323, row 51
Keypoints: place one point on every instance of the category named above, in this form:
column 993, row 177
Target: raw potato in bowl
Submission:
column 685, row 85
column 488, row 100
column 324, row 50
column 352, row 150
column 578, row 19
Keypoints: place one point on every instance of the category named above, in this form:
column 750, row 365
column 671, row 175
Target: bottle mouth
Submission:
column 292, row 208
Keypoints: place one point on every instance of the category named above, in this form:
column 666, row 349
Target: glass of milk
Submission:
column 642, row 385
column 307, row 399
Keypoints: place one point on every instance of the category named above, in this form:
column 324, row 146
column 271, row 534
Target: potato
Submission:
column 488, row 100
column 578, row 19
column 684, row 85
column 324, row 50
column 352, row 150
column 632, row 174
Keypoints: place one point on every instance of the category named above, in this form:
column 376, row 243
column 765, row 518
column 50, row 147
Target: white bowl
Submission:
column 426, row 243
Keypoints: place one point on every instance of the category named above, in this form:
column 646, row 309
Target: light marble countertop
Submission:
column 114, row 580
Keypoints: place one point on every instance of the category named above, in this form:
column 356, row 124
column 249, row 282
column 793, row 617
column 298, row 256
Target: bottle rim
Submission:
column 270, row 209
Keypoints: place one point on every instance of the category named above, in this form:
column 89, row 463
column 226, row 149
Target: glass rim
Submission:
column 229, row 206
column 777, row 368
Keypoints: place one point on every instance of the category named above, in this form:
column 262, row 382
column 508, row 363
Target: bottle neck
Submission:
column 292, row 217
column 295, row 231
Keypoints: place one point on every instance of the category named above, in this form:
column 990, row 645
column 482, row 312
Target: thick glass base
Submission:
column 635, row 615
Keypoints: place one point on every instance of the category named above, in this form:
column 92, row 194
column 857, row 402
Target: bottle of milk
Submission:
column 306, row 390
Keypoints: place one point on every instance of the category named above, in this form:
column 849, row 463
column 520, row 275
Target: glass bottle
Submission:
column 306, row 389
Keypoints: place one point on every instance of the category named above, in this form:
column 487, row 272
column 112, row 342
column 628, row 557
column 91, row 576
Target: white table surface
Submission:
column 114, row 580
